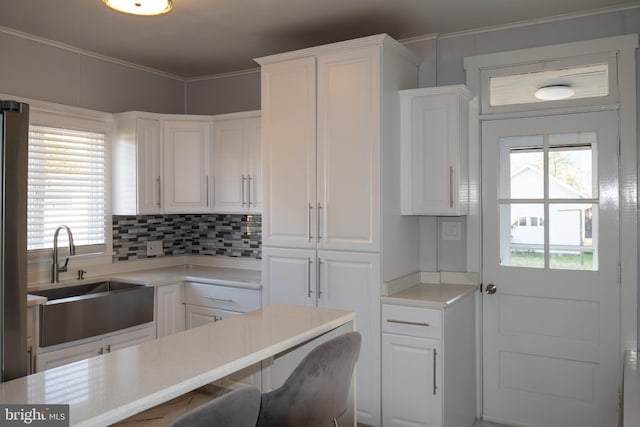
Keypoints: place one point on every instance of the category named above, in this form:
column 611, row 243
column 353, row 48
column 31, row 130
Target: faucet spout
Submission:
column 55, row 268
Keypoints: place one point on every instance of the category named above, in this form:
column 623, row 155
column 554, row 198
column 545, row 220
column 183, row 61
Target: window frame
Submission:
column 60, row 116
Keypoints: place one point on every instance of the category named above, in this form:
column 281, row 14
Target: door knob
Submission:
column 491, row 288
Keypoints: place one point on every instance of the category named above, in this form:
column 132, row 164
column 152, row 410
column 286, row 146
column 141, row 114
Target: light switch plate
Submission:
column 451, row 230
column 154, row 248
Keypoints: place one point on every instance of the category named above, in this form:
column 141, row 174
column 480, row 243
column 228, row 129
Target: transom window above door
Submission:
column 548, row 201
column 580, row 81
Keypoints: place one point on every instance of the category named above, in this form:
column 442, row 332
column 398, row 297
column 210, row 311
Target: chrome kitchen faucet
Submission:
column 55, row 269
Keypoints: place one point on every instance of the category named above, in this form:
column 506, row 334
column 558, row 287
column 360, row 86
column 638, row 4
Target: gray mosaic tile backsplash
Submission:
column 207, row 234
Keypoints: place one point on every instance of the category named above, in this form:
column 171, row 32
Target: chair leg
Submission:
column 335, row 422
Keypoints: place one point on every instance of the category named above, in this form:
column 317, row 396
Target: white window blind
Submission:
column 67, row 185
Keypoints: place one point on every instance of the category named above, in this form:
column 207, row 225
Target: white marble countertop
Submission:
column 105, row 389
column 430, row 295
column 236, row 277
column 35, row 300
column 429, row 289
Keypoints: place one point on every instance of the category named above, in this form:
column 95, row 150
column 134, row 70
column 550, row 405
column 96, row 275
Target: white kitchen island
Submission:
column 105, row 389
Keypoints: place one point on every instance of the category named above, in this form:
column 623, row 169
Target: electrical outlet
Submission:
column 154, row 248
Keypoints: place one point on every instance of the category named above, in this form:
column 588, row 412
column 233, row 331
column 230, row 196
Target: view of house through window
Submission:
column 548, row 201
column 66, row 185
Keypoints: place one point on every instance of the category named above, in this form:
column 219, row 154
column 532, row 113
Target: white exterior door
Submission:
column 551, row 351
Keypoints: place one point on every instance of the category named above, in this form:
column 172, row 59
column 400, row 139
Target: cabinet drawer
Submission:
column 413, row 321
column 224, row 297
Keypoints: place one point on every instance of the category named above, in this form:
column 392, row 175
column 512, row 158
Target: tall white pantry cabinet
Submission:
column 332, row 228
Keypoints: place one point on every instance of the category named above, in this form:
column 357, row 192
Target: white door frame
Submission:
column 624, row 47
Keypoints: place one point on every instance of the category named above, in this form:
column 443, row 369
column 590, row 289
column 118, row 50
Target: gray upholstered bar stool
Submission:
column 238, row 408
column 316, row 393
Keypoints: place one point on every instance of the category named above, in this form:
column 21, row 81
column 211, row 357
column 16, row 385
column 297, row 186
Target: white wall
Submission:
column 34, row 69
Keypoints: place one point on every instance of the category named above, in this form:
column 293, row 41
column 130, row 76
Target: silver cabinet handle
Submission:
column 109, row 348
column 159, row 192
column 406, row 322
column 249, row 178
column 101, row 351
column 451, row 186
column 219, row 299
column 207, row 189
column 309, row 262
column 309, row 236
column 435, row 387
column 319, row 277
column 318, row 221
column 244, row 179
column 30, row 353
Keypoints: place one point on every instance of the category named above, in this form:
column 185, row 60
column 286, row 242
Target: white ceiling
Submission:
column 207, row 37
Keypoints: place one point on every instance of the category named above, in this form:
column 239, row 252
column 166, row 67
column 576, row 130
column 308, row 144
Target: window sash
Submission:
column 67, row 185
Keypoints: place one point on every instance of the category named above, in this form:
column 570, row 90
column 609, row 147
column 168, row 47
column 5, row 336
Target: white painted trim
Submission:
column 239, row 115
column 74, row 49
column 564, row 50
column 224, row 75
column 61, row 109
column 419, row 39
column 539, row 21
column 378, row 39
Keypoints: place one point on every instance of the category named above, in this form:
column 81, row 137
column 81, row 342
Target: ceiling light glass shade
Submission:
column 554, row 93
column 141, row 7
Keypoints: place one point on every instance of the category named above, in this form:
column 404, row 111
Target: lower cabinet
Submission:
column 65, row 355
column 206, row 303
column 334, row 279
column 169, row 309
column 428, row 365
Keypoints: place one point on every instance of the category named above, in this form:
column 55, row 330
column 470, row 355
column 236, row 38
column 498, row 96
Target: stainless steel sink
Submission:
column 87, row 310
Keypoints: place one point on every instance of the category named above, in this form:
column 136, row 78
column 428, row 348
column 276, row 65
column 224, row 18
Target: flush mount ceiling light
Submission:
column 554, row 92
column 140, row 7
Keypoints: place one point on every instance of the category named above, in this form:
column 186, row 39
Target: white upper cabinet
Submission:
column 137, row 165
column 236, row 164
column 348, row 146
column 187, row 166
column 435, row 129
column 322, row 184
column 162, row 164
column 289, row 153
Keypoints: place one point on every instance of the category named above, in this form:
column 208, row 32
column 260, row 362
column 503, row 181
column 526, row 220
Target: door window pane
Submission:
column 522, row 168
column 571, row 166
column 572, row 237
column 522, row 242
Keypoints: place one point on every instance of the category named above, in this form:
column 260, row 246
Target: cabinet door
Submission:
column 229, row 173
column 289, row 276
column 351, row 281
column 136, row 166
column 434, row 154
column 53, row 359
column 411, row 394
column 289, row 153
column 169, row 309
column 253, row 156
column 196, row 315
column 348, row 150
column 127, row 339
column 149, row 166
column 187, row 166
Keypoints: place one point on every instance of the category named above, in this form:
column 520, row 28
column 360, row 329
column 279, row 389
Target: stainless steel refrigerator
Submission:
column 14, row 131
